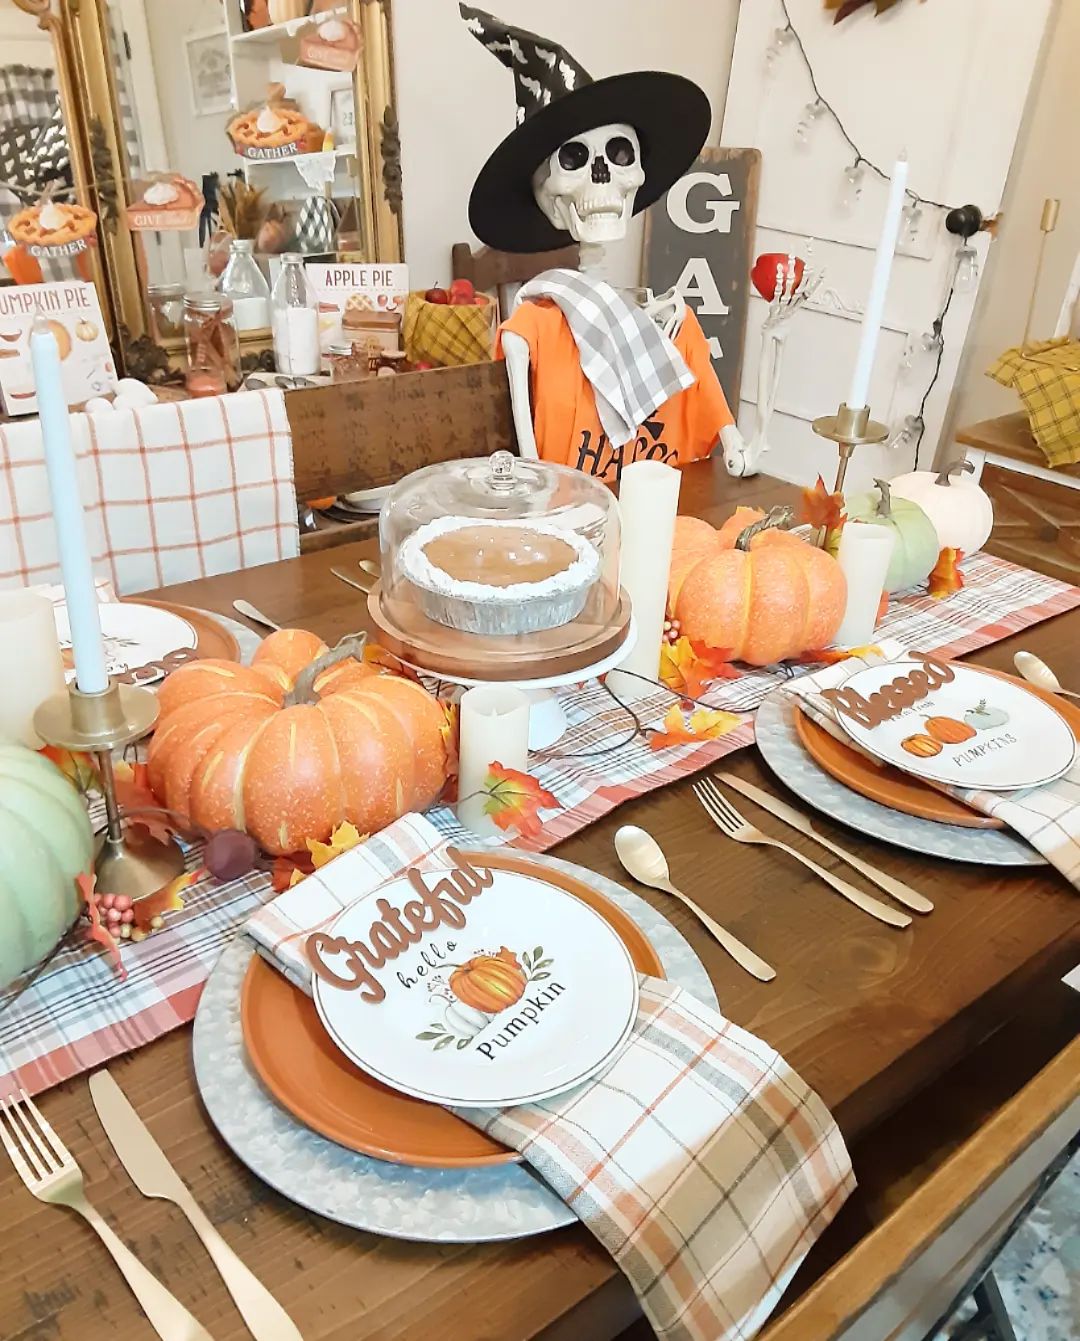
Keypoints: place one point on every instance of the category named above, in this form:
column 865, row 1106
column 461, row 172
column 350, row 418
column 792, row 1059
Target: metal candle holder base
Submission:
column 132, row 863
column 849, row 428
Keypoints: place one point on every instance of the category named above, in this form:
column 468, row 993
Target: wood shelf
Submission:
column 277, row 32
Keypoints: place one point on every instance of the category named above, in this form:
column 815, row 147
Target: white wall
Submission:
column 22, row 42
column 944, row 82
column 456, row 101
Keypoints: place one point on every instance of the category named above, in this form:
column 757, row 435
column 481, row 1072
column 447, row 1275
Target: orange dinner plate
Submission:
column 303, row 1069
column 898, row 790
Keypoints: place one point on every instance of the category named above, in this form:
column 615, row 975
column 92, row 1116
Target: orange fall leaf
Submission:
column 166, row 900
column 514, row 800
column 703, row 724
column 687, row 666
column 818, row 507
column 97, row 931
column 946, row 577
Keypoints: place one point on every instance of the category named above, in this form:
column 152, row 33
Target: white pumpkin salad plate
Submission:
column 472, row 986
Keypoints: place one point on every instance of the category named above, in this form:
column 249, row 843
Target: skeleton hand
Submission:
column 789, row 295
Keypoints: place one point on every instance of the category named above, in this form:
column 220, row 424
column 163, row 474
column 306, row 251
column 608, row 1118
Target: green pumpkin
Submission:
column 916, row 549
column 45, row 842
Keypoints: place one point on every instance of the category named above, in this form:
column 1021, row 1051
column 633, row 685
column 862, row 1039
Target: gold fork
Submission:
column 44, row 1164
column 726, row 818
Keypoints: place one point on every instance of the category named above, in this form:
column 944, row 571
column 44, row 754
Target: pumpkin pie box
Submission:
column 74, row 317
column 360, row 303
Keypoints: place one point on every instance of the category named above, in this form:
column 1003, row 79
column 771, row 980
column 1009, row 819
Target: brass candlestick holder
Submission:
column 132, row 862
column 849, row 428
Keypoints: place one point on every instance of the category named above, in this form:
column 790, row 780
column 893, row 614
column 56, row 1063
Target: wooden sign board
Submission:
column 700, row 239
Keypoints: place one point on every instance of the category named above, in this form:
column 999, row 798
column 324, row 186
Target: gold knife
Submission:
column 902, row 893
column 154, row 1176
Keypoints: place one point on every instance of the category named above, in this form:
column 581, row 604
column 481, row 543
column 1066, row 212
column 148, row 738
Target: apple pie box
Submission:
column 74, row 317
column 361, row 303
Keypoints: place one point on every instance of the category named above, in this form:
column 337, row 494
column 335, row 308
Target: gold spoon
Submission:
column 1037, row 672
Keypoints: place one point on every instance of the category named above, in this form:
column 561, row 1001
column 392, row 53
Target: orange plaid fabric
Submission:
column 446, row 334
column 172, row 492
column 1046, row 376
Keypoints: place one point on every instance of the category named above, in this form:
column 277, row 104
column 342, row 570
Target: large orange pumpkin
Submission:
column 297, row 743
column 695, row 539
column 770, row 597
column 489, row 982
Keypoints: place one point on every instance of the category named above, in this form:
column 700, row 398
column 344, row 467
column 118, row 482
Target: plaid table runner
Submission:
column 700, row 1160
column 76, row 1014
column 172, row 492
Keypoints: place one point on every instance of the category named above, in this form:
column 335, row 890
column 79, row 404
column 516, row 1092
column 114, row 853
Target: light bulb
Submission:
column 906, row 433
column 911, row 223
column 811, row 114
column 781, row 39
column 966, row 277
column 854, row 179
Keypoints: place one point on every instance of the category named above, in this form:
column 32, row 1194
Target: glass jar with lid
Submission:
column 520, row 556
column 213, row 348
column 166, row 310
column 243, row 284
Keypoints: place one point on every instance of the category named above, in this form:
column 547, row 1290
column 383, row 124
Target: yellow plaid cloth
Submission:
column 448, row 335
column 1046, row 376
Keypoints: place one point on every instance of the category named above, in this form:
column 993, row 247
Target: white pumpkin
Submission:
column 962, row 513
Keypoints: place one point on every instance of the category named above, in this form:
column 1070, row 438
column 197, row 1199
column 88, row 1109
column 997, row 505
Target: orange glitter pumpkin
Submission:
column 923, row 747
column 948, row 730
column 489, row 982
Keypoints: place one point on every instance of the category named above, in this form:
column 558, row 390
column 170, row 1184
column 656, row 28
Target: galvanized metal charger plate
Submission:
column 784, row 753
column 503, row 1201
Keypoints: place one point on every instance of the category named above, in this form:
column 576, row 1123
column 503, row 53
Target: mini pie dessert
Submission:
column 271, row 127
column 165, row 202
column 333, row 44
column 499, row 577
column 53, row 224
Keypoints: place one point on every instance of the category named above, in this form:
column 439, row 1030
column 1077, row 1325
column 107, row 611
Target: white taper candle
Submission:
column 879, row 285
column 71, row 545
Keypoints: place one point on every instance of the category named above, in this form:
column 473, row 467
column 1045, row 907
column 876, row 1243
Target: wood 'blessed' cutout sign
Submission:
column 893, row 698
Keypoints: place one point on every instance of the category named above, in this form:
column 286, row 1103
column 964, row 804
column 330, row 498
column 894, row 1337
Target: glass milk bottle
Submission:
column 243, row 282
column 295, row 320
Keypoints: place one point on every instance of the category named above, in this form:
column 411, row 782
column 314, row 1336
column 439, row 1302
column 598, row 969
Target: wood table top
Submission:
column 868, row 1015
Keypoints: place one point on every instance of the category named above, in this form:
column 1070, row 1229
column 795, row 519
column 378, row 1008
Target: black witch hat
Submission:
column 557, row 99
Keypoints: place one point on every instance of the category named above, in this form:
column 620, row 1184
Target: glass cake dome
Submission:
column 499, row 556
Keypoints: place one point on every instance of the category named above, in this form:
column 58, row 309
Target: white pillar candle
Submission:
column 31, row 667
column 71, row 544
column 879, row 284
column 648, row 505
column 494, row 721
column 864, row 555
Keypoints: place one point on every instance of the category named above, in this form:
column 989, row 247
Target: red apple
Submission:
column 763, row 274
column 462, row 292
column 436, row 296
column 481, row 300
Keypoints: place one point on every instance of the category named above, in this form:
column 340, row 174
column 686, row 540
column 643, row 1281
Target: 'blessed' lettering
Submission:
column 397, row 929
column 891, row 699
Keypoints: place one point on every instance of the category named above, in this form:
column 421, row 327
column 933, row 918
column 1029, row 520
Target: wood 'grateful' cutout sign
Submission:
column 888, row 702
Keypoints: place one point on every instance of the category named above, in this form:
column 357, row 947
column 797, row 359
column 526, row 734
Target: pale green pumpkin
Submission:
column 45, row 842
column 916, row 549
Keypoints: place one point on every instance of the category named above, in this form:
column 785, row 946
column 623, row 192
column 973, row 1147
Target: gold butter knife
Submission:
column 902, row 893
column 154, row 1176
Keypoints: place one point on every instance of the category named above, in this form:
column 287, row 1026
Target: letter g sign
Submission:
column 719, row 211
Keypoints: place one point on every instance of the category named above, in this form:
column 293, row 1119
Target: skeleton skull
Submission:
column 588, row 185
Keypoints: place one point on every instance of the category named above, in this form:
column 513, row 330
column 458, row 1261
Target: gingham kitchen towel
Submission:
column 1046, row 377
column 632, row 365
column 700, row 1160
column 172, row 492
column 1048, row 816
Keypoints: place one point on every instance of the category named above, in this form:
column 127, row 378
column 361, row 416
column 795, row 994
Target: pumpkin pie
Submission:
column 333, row 45
column 268, row 128
column 54, row 224
column 166, row 202
column 499, row 577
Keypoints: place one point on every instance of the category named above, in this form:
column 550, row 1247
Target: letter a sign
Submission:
column 700, row 238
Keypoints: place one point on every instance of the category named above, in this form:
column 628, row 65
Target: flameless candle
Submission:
column 71, row 545
column 879, row 284
column 494, row 729
column 648, row 504
column 31, row 667
column 864, row 554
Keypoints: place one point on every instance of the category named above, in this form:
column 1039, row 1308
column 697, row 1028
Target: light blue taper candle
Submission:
column 67, row 510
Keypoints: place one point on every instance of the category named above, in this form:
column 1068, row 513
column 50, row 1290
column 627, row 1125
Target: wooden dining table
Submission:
column 867, row 1014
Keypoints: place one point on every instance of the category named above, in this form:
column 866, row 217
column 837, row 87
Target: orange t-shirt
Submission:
column 685, row 428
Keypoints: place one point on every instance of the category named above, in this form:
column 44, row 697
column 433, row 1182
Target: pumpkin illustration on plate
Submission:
column 489, row 982
column 948, row 730
column 923, row 747
column 984, row 718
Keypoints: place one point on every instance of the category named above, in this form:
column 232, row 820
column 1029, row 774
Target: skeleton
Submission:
column 741, row 457
column 588, row 185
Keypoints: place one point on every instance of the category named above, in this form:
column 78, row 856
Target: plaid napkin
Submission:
column 699, row 1159
column 632, row 365
column 1046, row 376
column 1048, row 816
column 172, row 492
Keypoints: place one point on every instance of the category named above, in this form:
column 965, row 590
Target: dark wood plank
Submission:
column 1008, row 435
column 868, row 1015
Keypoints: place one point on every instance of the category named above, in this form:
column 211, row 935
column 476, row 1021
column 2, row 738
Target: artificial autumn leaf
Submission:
column 451, row 735
column 946, row 577
column 514, row 800
column 829, row 656
column 97, row 931
column 375, row 655
column 687, row 666
column 166, row 900
column 343, row 838
column 820, row 508
column 289, row 871
column 79, row 768
column 704, row 724
column 138, row 803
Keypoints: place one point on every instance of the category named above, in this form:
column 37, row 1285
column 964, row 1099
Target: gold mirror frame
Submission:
column 89, row 101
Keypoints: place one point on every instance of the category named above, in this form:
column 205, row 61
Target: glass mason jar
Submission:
column 295, row 320
column 166, row 305
column 213, row 348
column 244, row 284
